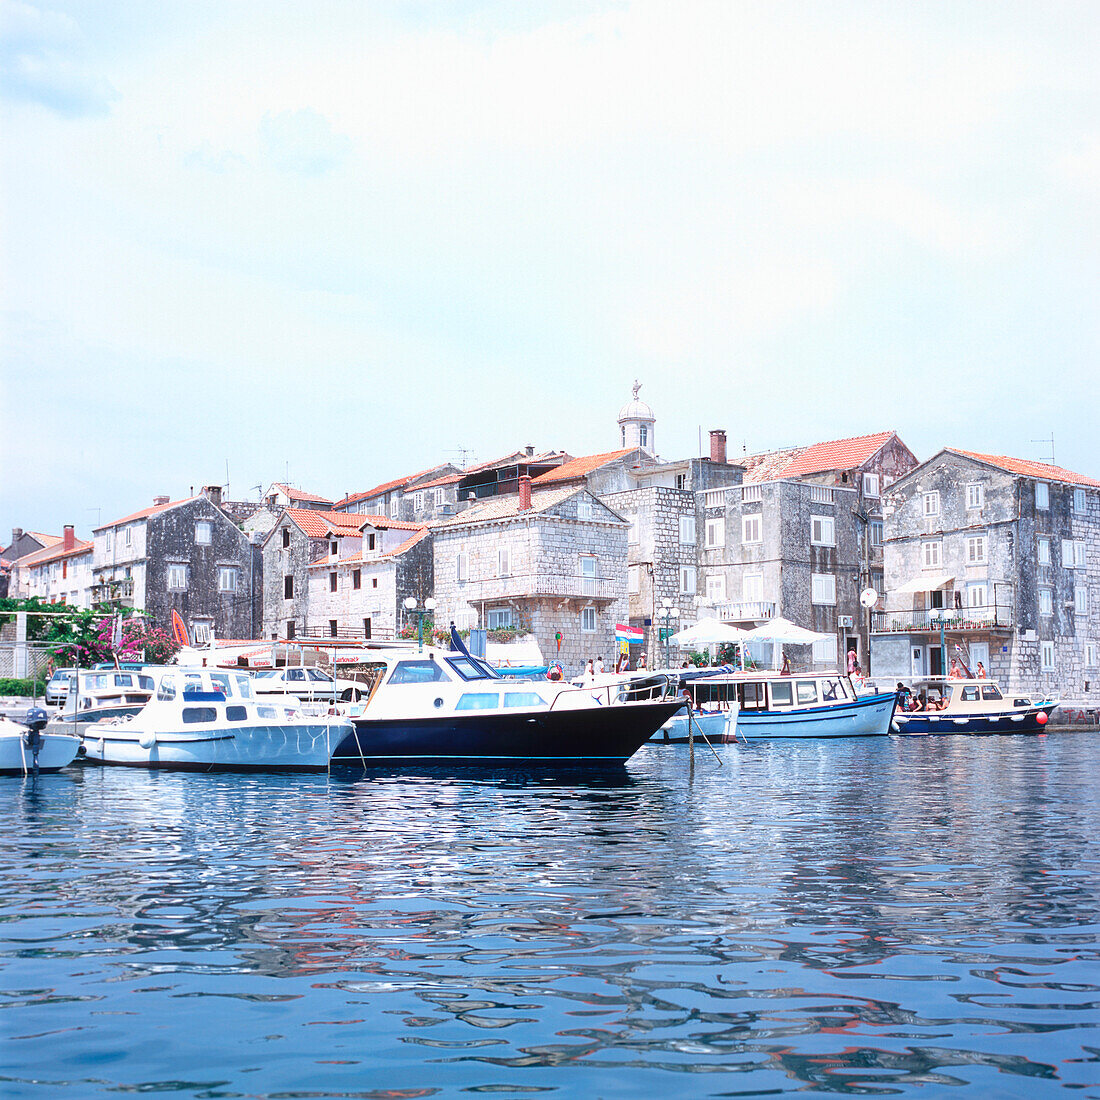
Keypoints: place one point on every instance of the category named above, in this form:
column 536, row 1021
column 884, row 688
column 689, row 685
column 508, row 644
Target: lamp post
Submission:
column 668, row 615
column 421, row 614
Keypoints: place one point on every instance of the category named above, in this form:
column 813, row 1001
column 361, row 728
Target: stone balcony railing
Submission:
column 745, row 611
column 954, row 620
column 531, row 585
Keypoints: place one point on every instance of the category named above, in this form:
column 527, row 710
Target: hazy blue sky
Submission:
column 348, row 238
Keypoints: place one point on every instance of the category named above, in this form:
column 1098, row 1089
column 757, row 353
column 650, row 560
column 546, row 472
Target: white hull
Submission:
column 866, row 717
column 716, row 728
column 58, row 751
column 293, row 745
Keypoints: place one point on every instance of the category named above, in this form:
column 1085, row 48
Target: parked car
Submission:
column 310, row 685
column 57, row 687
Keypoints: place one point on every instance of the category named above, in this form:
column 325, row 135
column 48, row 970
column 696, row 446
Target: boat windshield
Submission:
column 417, row 672
column 470, row 668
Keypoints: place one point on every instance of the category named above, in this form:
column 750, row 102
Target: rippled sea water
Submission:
column 890, row 917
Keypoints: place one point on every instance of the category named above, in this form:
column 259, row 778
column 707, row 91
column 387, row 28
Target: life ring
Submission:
column 555, row 672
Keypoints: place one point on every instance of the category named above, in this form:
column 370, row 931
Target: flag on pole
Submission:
column 625, row 633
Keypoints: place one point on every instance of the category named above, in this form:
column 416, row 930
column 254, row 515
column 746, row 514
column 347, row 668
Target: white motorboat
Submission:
column 939, row 705
column 28, row 749
column 98, row 694
column 209, row 720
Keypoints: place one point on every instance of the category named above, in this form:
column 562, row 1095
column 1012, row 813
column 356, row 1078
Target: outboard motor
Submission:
column 35, row 721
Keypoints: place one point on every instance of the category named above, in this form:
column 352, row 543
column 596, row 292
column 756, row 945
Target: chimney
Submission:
column 68, row 537
column 161, row 500
column 16, row 534
column 718, row 446
column 530, row 450
column 525, row 493
column 213, row 493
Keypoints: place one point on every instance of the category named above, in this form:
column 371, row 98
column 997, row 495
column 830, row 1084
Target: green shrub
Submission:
column 27, row 688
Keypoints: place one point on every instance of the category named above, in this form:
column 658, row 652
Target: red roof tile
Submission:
column 1043, row 471
column 577, row 468
column 364, row 519
column 297, row 494
column 419, row 533
column 386, row 486
column 144, row 513
column 56, row 553
column 518, row 457
column 819, row 458
column 450, row 479
column 317, row 524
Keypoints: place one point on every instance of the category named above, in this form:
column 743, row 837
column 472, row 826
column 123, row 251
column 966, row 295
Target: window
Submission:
column 1042, row 494
column 1081, row 599
column 395, row 504
column 822, row 531
column 588, row 620
column 716, row 589
column 870, row 485
column 752, row 587
column 805, row 692
column 687, row 530
column 523, row 699
column 1090, row 654
column 291, row 629
column 681, row 481
column 715, row 533
column 227, row 578
column 975, row 495
column 932, row 551
column 127, row 536
column 875, row 527
column 480, row 700
column 633, row 579
column 976, row 595
column 823, row 588
column 334, row 548
column 333, row 629
column 109, row 538
column 632, row 532
column 236, row 714
column 370, row 540
column 288, row 587
column 177, row 576
column 356, row 578
column 932, row 504
column 418, row 672
column 975, row 550
column 1073, row 553
column 202, row 533
column 1080, row 504
column 504, row 565
column 332, row 582
column 198, row 714
column 499, row 618
column 825, row 651
column 687, row 579
column 418, row 500
column 1046, row 601
column 588, row 574
column 286, row 537
column 991, row 693
column 1047, row 656
column 643, row 436
column 461, row 567
column 1043, row 546
column 752, row 528
column 366, row 628
column 584, row 508
column 374, row 582
column 781, row 694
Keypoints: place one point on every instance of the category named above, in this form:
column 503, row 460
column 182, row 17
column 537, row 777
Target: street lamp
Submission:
column 668, row 613
column 421, row 614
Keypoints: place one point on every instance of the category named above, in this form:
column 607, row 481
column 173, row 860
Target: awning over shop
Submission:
column 930, row 582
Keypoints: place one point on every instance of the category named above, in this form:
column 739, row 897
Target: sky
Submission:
column 337, row 242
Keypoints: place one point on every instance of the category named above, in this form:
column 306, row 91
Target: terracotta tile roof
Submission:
column 420, row 532
column 1043, row 471
column 46, row 540
column 386, row 486
column 144, row 513
column 517, row 457
column 577, row 468
column 366, row 519
column 297, row 494
column 818, row 458
column 56, row 553
column 450, row 479
column 317, row 524
column 507, row 506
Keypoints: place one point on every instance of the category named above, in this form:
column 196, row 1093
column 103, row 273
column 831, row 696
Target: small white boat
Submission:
column 27, row 749
column 971, row 706
column 98, row 694
column 208, row 720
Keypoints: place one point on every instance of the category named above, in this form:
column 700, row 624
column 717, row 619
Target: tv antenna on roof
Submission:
column 1049, row 441
column 463, row 453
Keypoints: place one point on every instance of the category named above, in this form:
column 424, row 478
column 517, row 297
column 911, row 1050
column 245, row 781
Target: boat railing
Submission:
column 657, row 686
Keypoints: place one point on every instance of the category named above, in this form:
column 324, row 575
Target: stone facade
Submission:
column 556, row 567
column 1009, row 563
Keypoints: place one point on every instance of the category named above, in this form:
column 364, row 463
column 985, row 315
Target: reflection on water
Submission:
column 880, row 919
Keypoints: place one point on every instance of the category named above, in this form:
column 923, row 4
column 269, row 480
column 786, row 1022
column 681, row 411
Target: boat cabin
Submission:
column 768, row 691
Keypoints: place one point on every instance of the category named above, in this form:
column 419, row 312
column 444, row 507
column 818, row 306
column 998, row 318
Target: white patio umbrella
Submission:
column 709, row 632
column 783, row 630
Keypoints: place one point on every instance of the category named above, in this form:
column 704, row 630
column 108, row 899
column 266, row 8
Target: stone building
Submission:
column 280, row 496
column 359, row 591
column 993, row 559
column 415, row 498
column 549, row 562
column 61, row 573
column 185, row 556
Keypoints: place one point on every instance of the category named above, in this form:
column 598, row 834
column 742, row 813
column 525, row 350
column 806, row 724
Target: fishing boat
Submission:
column 435, row 705
column 93, row 696
column 27, row 749
column 765, row 705
column 208, row 720
column 971, row 706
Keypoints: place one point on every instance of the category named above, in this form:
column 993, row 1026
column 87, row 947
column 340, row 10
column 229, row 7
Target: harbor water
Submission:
column 881, row 917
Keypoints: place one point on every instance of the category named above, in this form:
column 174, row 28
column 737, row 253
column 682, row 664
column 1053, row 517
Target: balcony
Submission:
column 536, row 585
column 747, row 611
column 120, row 592
column 971, row 620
